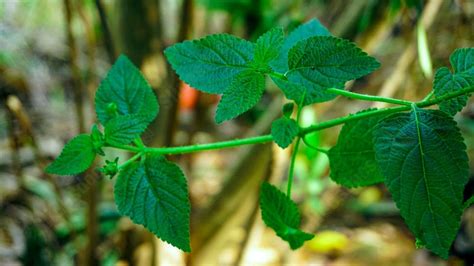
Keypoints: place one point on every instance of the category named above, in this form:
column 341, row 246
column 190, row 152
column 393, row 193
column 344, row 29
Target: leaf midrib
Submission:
column 425, row 179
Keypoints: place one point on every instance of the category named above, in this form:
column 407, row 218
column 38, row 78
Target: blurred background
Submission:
column 53, row 55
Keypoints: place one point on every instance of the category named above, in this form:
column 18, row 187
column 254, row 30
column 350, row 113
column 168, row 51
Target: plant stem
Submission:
column 210, row 146
column 139, row 143
column 292, row 167
column 295, row 149
column 125, row 147
column 428, row 96
column 277, row 75
column 352, row 117
column 447, row 96
column 305, row 141
column 366, row 97
column 267, row 138
column 131, row 160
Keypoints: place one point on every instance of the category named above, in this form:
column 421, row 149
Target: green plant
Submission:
column 419, row 153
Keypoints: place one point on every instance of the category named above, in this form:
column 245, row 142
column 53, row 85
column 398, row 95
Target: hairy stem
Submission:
column 295, row 149
column 305, row 141
column 131, row 160
column 428, row 96
column 277, row 75
column 292, row 167
column 366, row 97
column 210, row 146
column 320, row 126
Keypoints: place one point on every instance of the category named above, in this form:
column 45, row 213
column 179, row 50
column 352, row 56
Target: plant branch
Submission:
column 278, row 75
column 210, row 146
column 429, row 95
column 295, row 149
column 305, row 141
column 131, row 160
column 267, row 138
column 125, row 147
column 366, row 97
column 292, row 167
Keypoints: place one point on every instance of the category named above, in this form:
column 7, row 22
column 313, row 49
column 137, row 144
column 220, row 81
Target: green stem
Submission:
column 292, row 167
column 366, row 97
column 139, row 143
column 351, row 117
column 125, row 147
column 131, row 160
column 277, row 75
column 295, row 149
column 210, row 146
column 447, row 96
column 428, row 96
column 304, row 131
column 305, row 141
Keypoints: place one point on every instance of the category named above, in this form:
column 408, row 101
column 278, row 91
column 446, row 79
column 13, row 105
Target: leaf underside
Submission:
column 352, row 160
column 282, row 215
column 154, row 193
column 422, row 156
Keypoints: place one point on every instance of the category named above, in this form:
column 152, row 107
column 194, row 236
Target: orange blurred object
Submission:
column 188, row 97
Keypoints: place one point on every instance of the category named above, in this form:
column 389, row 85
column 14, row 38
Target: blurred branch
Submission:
column 347, row 21
column 248, row 226
column 14, row 142
column 109, row 45
column 75, row 72
column 92, row 198
column 168, row 94
column 18, row 114
column 397, row 78
column 91, row 52
column 187, row 16
column 89, row 256
column 242, row 180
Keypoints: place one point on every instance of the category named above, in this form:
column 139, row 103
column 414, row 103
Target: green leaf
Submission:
column 125, row 91
column 323, row 62
column 76, row 156
column 423, row 158
column 124, row 129
column 268, row 47
column 284, row 130
column 281, row 214
column 445, row 82
column 154, row 193
column 304, row 31
column 462, row 61
column 211, row 63
column 352, row 160
column 243, row 93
